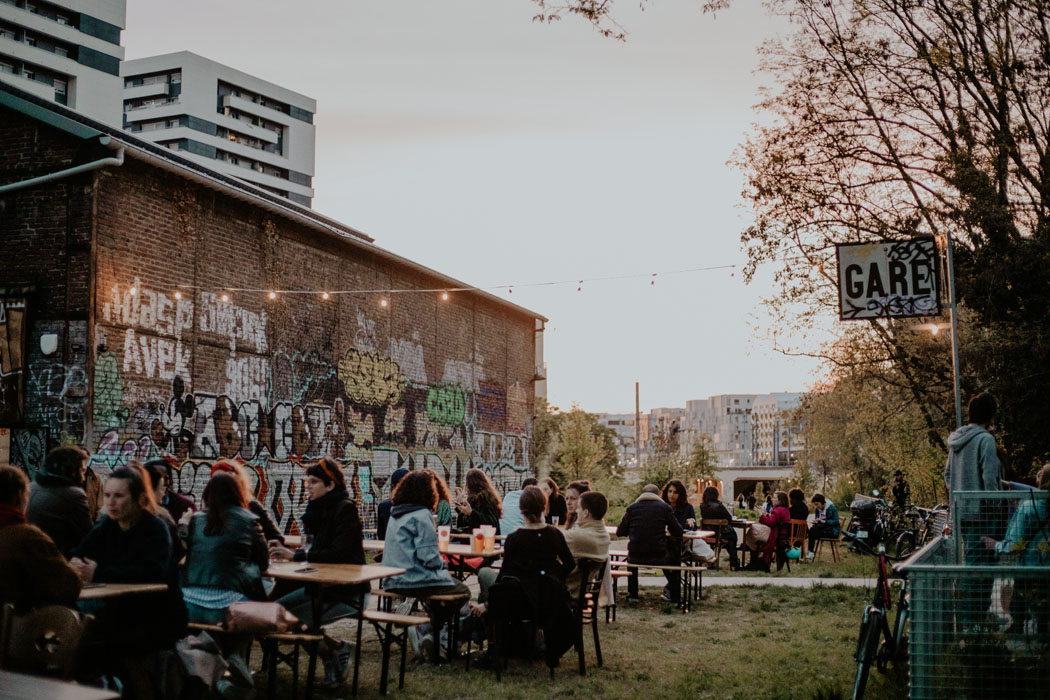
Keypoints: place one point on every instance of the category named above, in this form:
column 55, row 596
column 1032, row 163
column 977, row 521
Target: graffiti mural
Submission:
column 371, row 405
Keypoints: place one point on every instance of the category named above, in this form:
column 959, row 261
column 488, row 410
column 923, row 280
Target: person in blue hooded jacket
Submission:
column 412, row 545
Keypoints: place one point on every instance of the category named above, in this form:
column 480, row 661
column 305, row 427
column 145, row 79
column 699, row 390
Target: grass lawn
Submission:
column 749, row 643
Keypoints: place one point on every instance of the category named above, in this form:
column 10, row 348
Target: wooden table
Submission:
column 454, row 549
column 611, row 529
column 743, row 525
column 18, row 686
column 697, row 534
column 99, row 591
column 316, row 576
column 467, row 536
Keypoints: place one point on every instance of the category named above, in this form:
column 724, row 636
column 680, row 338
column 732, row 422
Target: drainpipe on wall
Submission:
column 117, row 160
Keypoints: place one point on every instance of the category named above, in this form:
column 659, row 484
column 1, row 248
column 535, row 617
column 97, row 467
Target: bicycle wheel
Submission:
column 905, row 544
column 867, row 649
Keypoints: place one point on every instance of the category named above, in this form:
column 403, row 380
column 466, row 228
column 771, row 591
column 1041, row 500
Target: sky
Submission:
column 498, row 150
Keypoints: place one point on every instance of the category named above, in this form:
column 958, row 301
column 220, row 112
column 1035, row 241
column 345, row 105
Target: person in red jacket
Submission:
column 779, row 522
column 34, row 572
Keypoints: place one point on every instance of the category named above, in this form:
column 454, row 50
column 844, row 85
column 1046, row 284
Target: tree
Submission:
column 573, row 445
column 897, row 118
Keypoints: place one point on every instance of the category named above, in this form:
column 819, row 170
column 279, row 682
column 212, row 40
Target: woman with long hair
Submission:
column 226, row 553
column 557, row 513
column 331, row 519
column 712, row 509
column 237, row 468
column 572, row 499
column 444, row 505
column 479, row 503
column 797, row 504
column 675, row 496
column 130, row 544
column 778, row 520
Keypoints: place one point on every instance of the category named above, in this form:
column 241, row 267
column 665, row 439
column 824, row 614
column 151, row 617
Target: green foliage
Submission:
column 572, row 445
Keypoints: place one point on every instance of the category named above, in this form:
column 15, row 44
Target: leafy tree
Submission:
column 573, row 445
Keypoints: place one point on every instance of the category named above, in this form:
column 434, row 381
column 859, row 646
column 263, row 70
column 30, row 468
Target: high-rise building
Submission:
column 230, row 121
column 623, row 424
column 776, row 429
column 65, row 51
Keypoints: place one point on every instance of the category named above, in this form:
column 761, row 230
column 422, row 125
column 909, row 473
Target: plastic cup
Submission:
column 477, row 541
column 554, row 520
column 489, row 534
column 444, row 534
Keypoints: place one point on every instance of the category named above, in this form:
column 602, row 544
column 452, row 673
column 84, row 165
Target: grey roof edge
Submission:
column 83, row 127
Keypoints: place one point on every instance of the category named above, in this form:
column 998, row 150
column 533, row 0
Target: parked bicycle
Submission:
column 921, row 525
column 875, row 626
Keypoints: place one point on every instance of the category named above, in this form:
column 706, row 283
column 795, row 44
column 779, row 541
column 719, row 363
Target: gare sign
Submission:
column 888, row 279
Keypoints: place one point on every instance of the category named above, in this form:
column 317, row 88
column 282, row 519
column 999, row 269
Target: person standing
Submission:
column 973, row 465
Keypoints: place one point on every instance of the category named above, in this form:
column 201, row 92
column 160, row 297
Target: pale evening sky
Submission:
column 464, row 136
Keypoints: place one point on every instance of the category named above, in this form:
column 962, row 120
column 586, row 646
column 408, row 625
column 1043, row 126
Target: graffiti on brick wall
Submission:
column 280, row 411
column 234, row 323
column 56, row 380
column 28, row 448
column 12, row 354
column 370, row 378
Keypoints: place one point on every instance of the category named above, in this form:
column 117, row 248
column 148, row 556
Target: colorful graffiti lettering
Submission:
column 446, row 404
column 370, row 378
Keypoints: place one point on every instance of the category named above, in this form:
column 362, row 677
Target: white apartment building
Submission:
column 65, row 51
column 776, row 430
column 729, row 417
column 228, row 120
column 623, row 424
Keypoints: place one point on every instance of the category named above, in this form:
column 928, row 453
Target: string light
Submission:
column 446, row 291
column 935, row 330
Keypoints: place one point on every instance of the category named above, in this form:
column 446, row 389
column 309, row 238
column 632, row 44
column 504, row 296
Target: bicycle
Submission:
column 875, row 626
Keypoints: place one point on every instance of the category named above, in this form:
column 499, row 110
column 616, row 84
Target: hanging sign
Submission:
column 888, row 279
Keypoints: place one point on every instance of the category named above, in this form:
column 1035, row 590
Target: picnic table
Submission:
column 316, row 576
column 99, row 591
column 457, row 555
column 19, row 686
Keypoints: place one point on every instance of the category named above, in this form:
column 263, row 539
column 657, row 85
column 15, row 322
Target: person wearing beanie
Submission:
column 383, row 510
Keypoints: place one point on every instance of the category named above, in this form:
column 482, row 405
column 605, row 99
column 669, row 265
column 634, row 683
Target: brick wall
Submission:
column 421, row 382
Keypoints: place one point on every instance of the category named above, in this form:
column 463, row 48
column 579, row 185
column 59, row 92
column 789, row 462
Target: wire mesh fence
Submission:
column 980, row 601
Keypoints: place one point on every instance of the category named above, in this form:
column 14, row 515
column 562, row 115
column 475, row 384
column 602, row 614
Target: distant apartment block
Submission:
column 66, row 51
column 776, row 429
column 623, row 424
column 230, row 121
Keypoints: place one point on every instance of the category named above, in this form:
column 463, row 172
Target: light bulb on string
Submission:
column 580, row 288
column 935, row 330
column 444, row 296
column 133, row 291
column 272, row 295
column 383, row 303
column 324, row 295
column 225, row 298
column 178, row 294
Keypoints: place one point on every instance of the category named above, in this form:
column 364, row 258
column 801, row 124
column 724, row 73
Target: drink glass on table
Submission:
column 307, row 543
column 444, row 534
column 477, row 541
column 488, row 532
column 554, row 520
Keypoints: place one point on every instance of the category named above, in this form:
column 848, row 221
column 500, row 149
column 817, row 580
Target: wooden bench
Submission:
column 688, row 570
column 385, row 624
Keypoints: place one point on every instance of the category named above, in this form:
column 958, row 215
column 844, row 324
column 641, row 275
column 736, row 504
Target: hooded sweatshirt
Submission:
column 646, row 523
column 412, row 545
column 973, row 464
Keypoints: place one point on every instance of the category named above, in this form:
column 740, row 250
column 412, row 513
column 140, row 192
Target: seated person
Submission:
column 158, row 475
column 444, row 509
column 674, row 495
column 712, row 509
column 237, row 468
column 412, row 545
column 646, row 524
column 797, row 504
column 557, row 511
column 383, row 509
column 34, row 572
column 825, row 521
column 589, row 538
column 572, row 500
column 57, row 502
column 512, row 519
column 478, row 504
column 778, row 520
column 332, row 520
column 226, row 557
column 176, row 504
column 130, row 545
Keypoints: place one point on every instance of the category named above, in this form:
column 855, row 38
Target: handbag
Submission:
column 794, row 553
column 255, row 617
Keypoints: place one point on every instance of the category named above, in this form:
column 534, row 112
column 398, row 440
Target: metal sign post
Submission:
column 955, row 333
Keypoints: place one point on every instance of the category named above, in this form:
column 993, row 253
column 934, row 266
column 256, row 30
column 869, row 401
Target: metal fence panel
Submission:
column 980, row 601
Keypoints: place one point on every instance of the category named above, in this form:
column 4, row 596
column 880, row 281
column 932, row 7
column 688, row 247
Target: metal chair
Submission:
column 592, row 571
column 43, row 641
column 716, row 525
